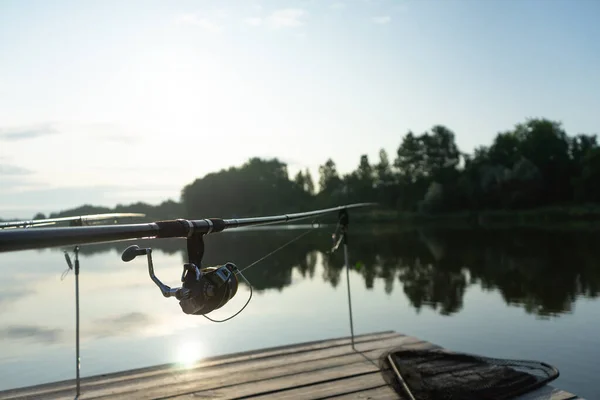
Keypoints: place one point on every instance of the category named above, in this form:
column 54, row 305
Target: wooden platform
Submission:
column 316, row 370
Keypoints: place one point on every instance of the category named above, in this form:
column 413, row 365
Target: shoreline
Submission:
column 574, row 217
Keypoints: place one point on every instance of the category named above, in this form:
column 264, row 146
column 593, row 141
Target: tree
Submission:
column 257, row 187
column 308, row 182
column 385, row 182
column 300, row 180
column 441, row 154
column 329, row 179
column 546, row 145
column 588, row 189
column 505, row 150
column 365, row 171
column 410, row 158
column 580, row 145
column 383, row 170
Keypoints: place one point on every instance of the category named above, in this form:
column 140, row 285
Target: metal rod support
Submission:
column 349, row 296
column 77, row 360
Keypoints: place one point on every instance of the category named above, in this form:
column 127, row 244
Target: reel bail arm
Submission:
column 132, row 252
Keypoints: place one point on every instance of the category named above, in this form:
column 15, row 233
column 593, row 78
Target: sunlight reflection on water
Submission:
column 189, row 352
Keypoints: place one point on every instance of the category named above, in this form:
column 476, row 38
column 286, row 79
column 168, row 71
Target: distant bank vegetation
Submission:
column 534, row 170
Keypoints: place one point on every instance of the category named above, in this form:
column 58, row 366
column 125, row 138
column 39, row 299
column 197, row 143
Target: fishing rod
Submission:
column 74, row 221
column 203, row 290
column 13, row 240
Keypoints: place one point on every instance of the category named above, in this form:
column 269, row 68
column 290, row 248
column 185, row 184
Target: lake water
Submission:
column 525, row 294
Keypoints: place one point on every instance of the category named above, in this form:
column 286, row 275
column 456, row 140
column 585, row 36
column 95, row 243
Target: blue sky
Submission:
column 107, row 102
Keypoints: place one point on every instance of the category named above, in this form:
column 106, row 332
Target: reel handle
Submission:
column 132, row 252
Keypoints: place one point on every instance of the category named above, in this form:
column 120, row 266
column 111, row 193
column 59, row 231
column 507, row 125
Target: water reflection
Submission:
column 404, row 280
column 542, row 271
column 123, row 324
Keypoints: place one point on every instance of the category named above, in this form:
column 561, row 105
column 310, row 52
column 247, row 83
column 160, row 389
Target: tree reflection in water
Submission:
column 543, row 271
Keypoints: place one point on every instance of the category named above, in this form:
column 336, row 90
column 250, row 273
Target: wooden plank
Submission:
column 378, row 393
column 371, row 386
column 167, row 370
column 327, row 388
column 294, row 385
column 287, row 368
column 386, row 392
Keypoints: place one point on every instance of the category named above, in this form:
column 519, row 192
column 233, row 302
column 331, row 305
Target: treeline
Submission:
column 535, row 164
column 168, row 209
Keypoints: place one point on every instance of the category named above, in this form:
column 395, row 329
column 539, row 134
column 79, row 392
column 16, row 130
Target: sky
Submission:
column 107, row 102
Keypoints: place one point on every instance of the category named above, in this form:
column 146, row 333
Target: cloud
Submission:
column 337, row 6
column 123, row 324
column 12, row 185
column 7, row 169
column 104, row 131
column 28, row 132
column 34, row 333
column 9, row 296
column 286, row 18
column 14, row 177
column 254, row 21
column 201, row 22
column 382, row 20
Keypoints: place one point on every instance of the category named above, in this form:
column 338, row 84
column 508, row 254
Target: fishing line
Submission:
column 242, row 309
column 240, row 272
column 64, row 274
column 280, row 247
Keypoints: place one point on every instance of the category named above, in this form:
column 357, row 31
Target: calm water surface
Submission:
column 502, row 293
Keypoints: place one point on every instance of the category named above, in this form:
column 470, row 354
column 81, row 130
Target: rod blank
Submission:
column 26, row 239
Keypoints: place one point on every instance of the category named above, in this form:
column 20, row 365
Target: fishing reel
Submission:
column 203, row 290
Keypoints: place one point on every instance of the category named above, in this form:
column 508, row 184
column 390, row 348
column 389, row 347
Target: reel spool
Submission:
column 208, row 288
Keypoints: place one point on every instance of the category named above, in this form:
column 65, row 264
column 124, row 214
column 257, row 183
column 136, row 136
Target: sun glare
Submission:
column 188, row 353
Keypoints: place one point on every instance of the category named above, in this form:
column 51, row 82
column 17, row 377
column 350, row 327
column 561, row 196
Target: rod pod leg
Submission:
column 77, row 359
column 344, row 219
